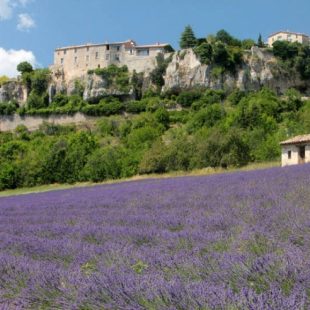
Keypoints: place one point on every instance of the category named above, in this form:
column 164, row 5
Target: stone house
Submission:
column 296, row 150
column 288, row 36
column 75, row 61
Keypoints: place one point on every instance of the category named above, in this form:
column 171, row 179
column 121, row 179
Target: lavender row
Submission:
column 231, row 241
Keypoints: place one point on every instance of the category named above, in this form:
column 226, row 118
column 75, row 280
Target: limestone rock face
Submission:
column 259, row 69
column 13, row 90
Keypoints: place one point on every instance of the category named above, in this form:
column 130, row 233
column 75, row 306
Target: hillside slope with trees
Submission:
column 165, row 122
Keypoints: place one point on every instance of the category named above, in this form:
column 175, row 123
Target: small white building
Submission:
column 289, row 37
column 296, row 150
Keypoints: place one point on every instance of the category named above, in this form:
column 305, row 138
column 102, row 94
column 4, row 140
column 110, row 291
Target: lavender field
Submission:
column 230, row 241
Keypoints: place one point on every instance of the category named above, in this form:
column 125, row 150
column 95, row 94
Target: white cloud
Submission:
column 25, row 22
column 9, row 59
column 5, row 9
column 24, row 2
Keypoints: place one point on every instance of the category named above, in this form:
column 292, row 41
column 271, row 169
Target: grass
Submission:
column 197, row 172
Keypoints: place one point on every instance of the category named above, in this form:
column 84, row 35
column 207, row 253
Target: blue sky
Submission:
column 39, row 26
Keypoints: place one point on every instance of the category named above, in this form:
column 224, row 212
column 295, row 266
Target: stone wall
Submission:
column 9, row 123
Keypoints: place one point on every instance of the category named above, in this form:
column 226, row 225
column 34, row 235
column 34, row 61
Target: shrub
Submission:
column 103, row 164
column 187, row 97
column 136, row 106
column 8, row 108
column 204, row 53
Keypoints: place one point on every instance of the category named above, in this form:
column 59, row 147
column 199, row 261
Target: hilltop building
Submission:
column 296, row 150
column 74, row 61
column 288, row 36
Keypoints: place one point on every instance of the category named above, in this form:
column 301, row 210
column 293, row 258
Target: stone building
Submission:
column 288, row 36
column 296, row 150
column 75, row 61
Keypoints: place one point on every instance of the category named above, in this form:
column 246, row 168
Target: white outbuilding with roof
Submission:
column 296, row 150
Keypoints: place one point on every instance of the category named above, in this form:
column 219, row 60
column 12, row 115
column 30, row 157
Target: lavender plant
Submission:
column 231, row 241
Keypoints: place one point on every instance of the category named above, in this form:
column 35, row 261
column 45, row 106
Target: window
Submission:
column 131, row 51
column 75, row 50
column 143, row 52
column 62, row 61
column 116, row 57
column 107, row 56
column 118, row 48
column 108, row 47
column 289, row 154
column 98, row 66
column 97, row 55
column 65, row 52
column 87, row 49
column 75, row 59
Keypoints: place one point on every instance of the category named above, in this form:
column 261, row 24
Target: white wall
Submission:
column 294, row 155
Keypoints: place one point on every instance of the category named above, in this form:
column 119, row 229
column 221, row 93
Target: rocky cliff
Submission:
column 13, row 90
column 259, row 68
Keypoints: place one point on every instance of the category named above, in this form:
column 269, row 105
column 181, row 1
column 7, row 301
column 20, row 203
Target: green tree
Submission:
column 162, row 117
column 285, row 50
column 39, row 80
column 260, row 42
column 24, row 67
column 188, row 38
column 224, row 37
column 204, row 51
column 104, row 164
column 247, row 44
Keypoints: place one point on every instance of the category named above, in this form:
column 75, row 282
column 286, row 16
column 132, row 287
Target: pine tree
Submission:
column 260, row 42
column 188, row 38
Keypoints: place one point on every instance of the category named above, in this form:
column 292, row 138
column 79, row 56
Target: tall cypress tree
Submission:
column 188, row 38
column 260, row 42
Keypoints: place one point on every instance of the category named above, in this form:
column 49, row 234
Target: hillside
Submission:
column 237, row 240
column 219, row 102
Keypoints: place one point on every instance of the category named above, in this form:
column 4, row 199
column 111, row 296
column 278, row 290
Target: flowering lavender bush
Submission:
column 231, row 241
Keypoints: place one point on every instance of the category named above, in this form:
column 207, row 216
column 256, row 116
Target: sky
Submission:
column 30, row 30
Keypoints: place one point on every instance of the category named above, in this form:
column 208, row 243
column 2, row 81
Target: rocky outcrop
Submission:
column 259, row 68
column 13, row 90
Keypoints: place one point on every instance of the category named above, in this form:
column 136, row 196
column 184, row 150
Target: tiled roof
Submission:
column 126, row 43
column 152, row 45
column 297, row 140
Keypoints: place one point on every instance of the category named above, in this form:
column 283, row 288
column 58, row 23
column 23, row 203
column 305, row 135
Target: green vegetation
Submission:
column 179, row 130
column 157, row 75
column 115, row 77
column 3, row 79
column 188, row 38
column 293, row 55
column 223, row 51
column 213, row 129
